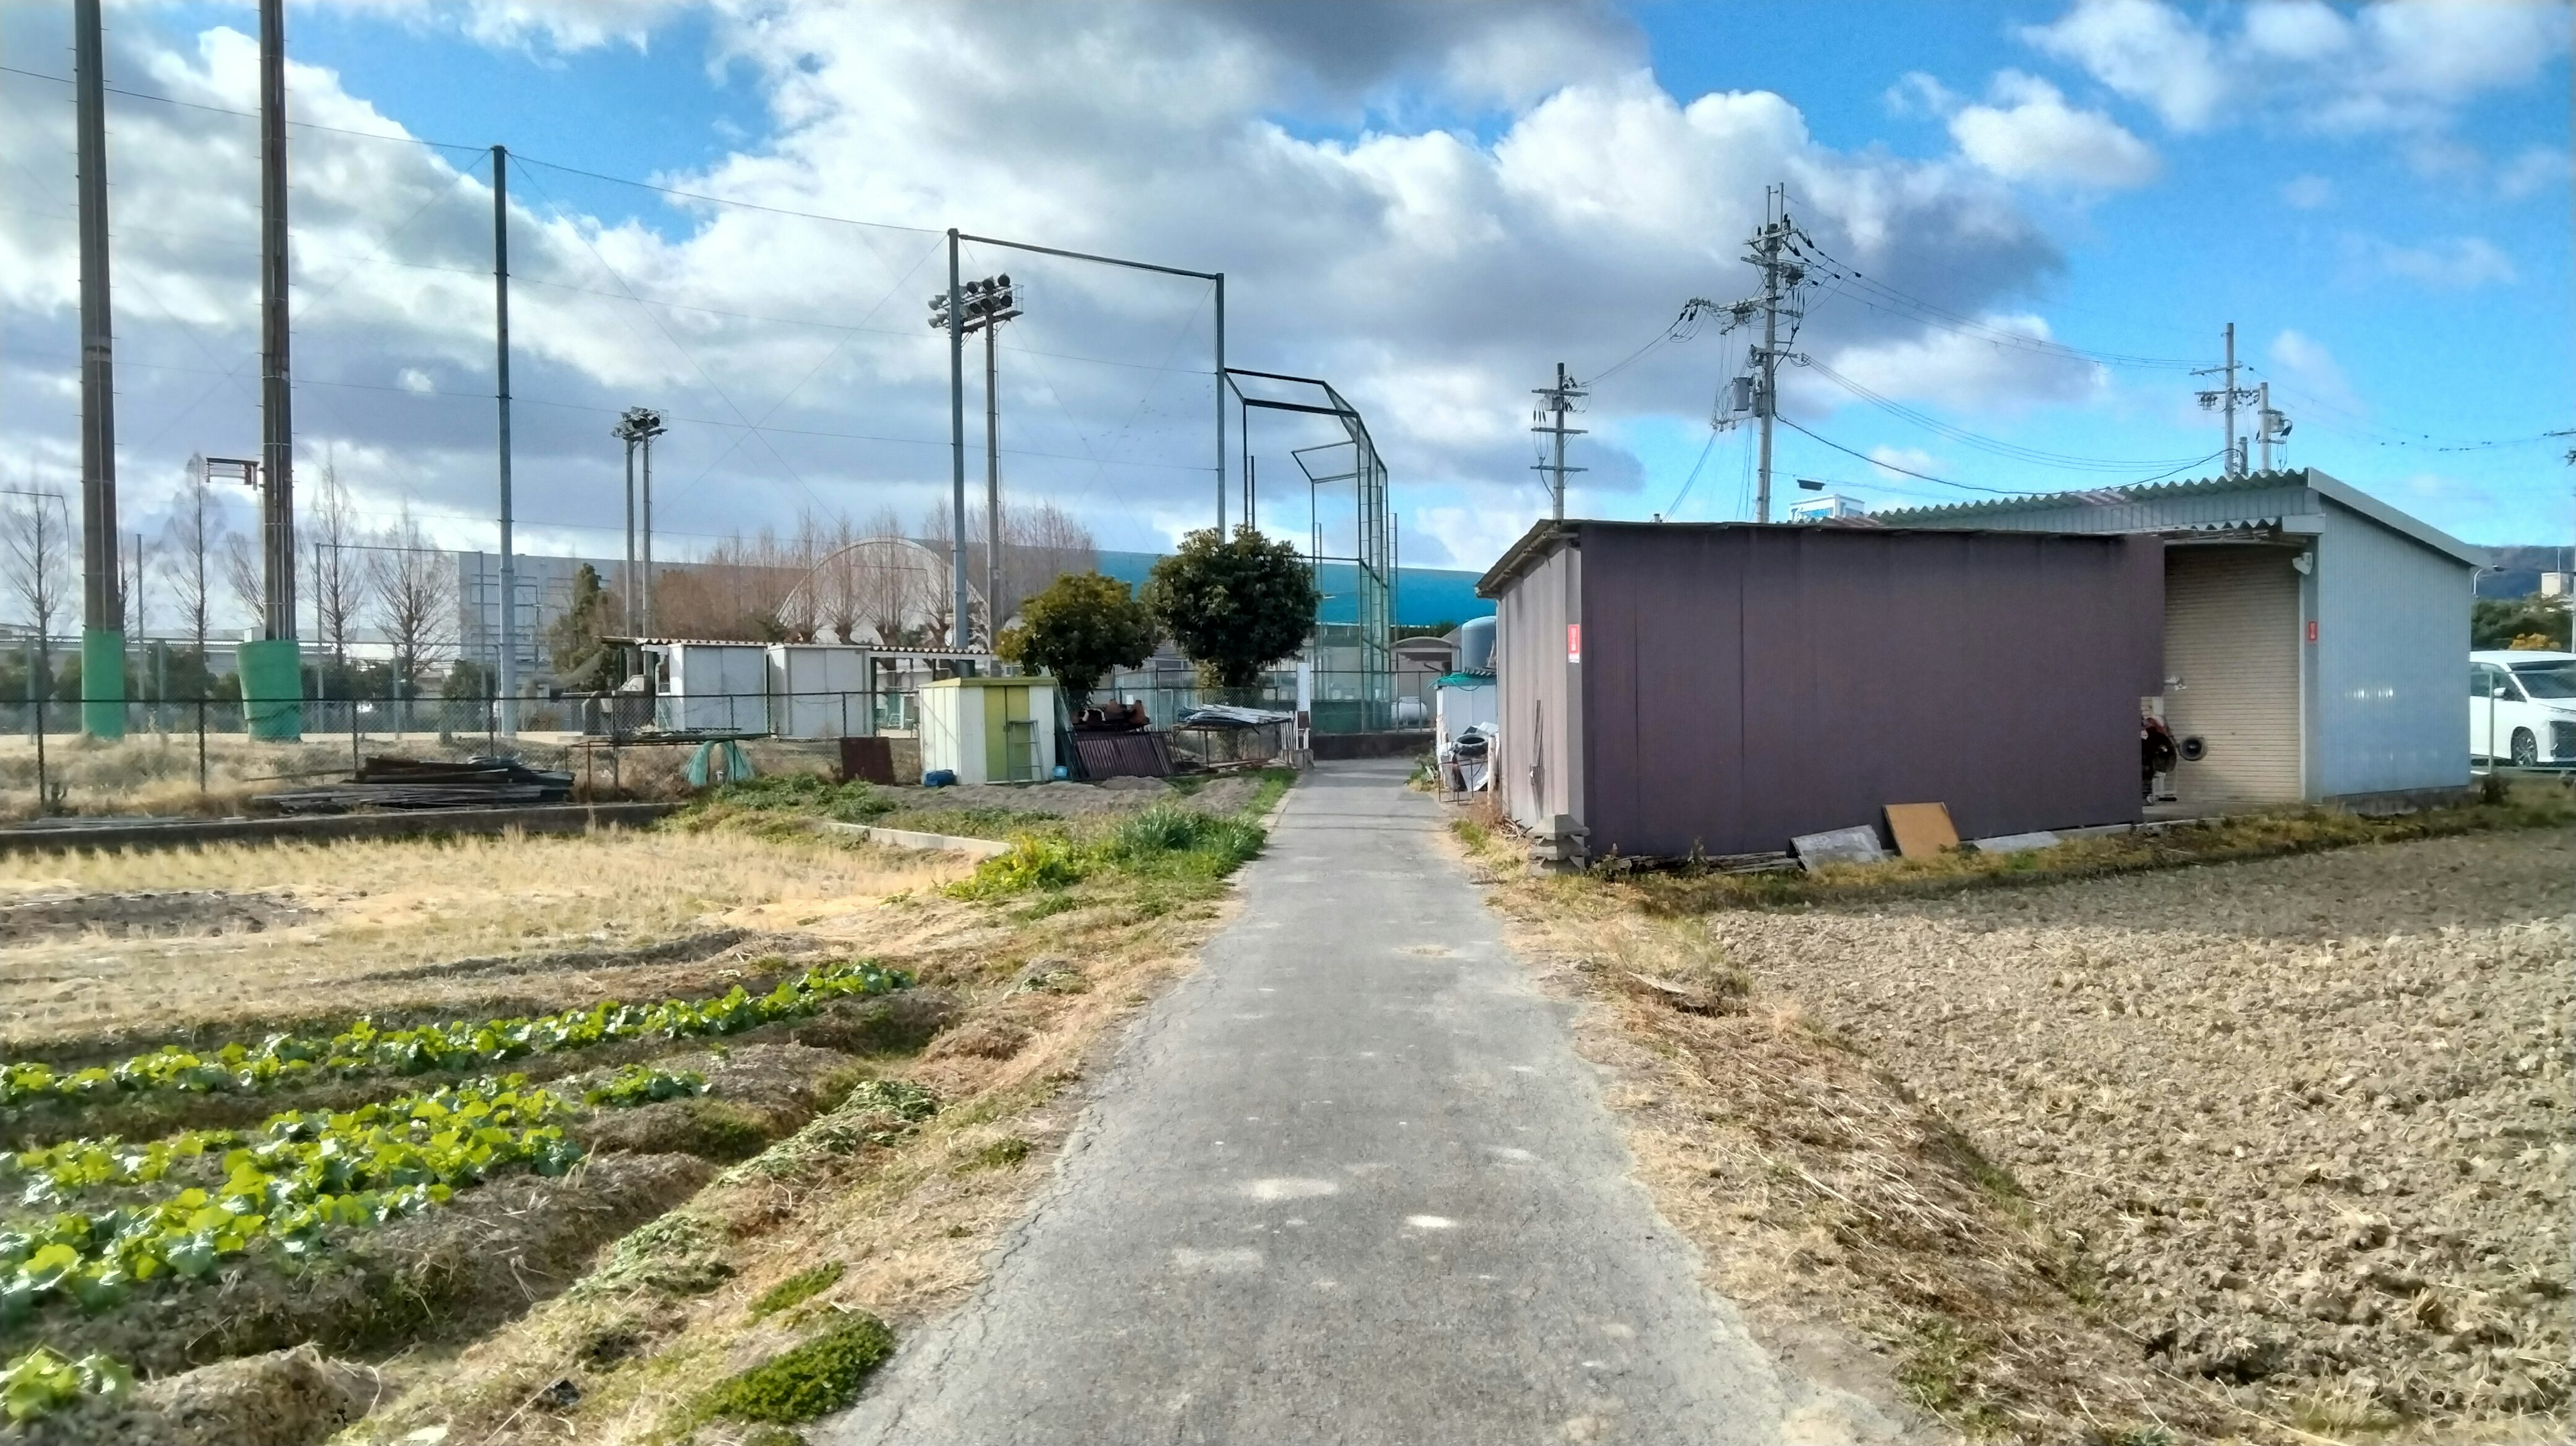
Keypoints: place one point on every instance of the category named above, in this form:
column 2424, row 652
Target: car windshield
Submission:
column 2548, row 680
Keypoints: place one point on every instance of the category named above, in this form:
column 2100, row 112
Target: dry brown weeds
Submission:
column 295, row 931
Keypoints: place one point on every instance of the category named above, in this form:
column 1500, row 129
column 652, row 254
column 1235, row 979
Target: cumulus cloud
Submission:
column 2030, row 133
column 2146, row 51
column 2003, row 368
column 1434, row 276
column 2391, row 65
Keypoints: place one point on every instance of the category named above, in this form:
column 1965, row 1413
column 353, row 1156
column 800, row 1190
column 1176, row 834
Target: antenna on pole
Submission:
column 2224, row 400
column 1558, row 400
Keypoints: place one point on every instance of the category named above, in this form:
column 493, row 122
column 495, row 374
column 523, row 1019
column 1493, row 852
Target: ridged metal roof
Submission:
column 2211, row 502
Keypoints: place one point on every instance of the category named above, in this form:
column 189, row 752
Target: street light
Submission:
column 986, row 305
column 639, row 425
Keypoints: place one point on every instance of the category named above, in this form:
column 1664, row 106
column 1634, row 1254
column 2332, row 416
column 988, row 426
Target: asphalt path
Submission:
column 1348, row 1182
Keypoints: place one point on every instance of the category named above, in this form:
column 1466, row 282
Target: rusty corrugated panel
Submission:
column 1123, row 755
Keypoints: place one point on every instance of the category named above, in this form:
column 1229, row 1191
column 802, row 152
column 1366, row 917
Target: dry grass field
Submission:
column 126, row 945
column 2272, row 1150
column 673, row 1221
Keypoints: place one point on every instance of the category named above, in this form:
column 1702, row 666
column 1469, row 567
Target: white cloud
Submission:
column 1894, row 463
column 1433, row 276
column 2032, row 134
column 1918, row 94
column 564, row 25
column 1463, row 536
column 2390, row 65
column 2308, row 193
column 2457, row 263
column 2535, row 169
column 2001, row 370
column 2144, row 50
column 2306, row 363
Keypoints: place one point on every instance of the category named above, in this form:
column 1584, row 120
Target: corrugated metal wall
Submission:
column 1744, row 684
column 2392, row 643
column 1537, row 721
column 2232, row 639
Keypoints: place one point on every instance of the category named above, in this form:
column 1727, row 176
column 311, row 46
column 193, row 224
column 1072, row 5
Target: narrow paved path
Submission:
column 1347, row 1183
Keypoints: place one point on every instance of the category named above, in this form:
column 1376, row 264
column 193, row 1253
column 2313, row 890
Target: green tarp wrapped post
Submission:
column 103, row 682
column 272, row 689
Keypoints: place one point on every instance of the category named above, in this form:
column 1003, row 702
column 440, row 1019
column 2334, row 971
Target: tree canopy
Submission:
column 1234, row 605
column 1081, row 626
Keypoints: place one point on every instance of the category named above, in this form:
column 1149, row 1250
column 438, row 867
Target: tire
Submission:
column 2526, row 749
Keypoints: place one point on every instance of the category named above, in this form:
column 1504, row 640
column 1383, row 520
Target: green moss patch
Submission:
column 796, row 1289
column 815, row 1379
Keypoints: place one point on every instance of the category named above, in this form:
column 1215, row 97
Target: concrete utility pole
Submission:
column 102, row 600
column 509, row 675
column 638, row 427
column 1774, row 253
column 2270, row 427
column 2224, row 400
column 1556, row 402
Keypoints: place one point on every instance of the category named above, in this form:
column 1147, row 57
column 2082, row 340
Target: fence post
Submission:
column 201, row 738
column 44, row 798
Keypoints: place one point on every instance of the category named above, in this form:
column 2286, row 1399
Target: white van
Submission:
column 2522, row 707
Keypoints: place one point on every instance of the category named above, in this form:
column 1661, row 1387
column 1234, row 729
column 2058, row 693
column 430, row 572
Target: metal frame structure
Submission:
column 1373, row 557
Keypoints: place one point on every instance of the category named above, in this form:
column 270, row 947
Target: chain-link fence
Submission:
column 218, row 755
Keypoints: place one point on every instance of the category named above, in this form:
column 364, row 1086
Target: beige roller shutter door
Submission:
column 2232, row 661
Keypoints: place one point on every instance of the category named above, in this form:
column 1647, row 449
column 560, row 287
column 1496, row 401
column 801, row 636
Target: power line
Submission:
column 2060, row 461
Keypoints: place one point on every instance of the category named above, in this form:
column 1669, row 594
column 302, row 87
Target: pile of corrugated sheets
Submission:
column 428, row 783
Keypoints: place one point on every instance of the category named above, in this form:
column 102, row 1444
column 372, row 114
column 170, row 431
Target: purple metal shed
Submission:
column 1724, row 686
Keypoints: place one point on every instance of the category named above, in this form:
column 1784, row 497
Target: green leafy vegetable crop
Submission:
column 643, row 1085
column 282, row 1185
column 42, row 1382
column 363, row 1048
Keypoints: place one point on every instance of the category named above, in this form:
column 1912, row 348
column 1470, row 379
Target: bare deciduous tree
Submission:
column 338, row 580
column 885, row 584
column 413, row 587
column 243, row 576
column 35, row 538
column 195, row 529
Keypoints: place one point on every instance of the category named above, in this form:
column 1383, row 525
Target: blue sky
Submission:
column 1431, row 205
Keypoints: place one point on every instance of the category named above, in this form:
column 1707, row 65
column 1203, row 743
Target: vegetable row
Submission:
column 363, row 1048
column 281, row 1186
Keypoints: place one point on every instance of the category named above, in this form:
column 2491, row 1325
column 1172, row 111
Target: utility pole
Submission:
column 509, row 674
column 2223, row 400
column 2270, row 427
column 102, row 603
column 1557, row 401
column 1775, row 254
column 637, row 428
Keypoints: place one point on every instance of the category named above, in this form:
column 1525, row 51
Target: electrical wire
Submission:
column 1970, row 486
column 2060, row 461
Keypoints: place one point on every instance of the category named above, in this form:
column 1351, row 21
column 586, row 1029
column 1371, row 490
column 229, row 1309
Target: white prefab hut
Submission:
column 717, row 686
column 821, row 690
column 989, row 730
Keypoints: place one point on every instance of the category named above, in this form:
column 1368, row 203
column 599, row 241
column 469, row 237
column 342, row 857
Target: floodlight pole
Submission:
column 1220, row 410
column 509, row 674
column 956, row 449
column 102, row 599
